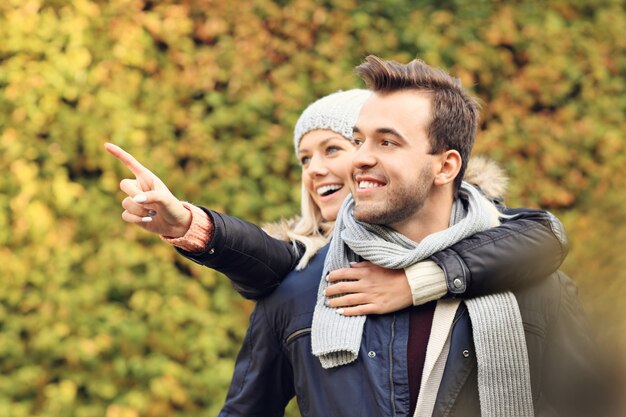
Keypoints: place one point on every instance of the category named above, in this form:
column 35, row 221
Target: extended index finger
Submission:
column 127, row 159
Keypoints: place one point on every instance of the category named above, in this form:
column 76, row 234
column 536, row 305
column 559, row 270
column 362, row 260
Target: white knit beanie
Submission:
column 338, row 112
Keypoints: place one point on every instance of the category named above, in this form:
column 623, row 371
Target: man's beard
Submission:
column 402, row 204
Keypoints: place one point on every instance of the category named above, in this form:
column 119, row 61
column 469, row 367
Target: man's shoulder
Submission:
column 552, row 285
column 547, row 295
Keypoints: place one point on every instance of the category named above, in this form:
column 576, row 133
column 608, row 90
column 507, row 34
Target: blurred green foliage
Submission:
column 99, row 319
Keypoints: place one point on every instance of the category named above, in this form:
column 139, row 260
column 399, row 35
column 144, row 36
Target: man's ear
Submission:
column 449, row 166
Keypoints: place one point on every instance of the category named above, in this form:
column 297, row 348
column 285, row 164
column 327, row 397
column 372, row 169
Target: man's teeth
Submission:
column 327, row 189
column 368, row 184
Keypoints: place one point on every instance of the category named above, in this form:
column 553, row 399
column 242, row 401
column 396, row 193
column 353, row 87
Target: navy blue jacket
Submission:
column 275, row 362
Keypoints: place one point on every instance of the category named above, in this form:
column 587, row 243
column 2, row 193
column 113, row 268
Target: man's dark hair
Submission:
column 455, row 112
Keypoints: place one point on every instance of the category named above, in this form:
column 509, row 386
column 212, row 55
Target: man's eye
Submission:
column 386, row 142
column 358, row 142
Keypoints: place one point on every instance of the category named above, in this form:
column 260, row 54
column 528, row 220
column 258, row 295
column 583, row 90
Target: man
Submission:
column 508, row 355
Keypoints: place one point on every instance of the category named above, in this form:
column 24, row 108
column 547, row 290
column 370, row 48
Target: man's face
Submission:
column 392, row 170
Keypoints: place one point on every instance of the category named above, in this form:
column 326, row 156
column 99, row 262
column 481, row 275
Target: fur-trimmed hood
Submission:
column 488, row 176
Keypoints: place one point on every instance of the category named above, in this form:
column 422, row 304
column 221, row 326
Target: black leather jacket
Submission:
column 528, row 246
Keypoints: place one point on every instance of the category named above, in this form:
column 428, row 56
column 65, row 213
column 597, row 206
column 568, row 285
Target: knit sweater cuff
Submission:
column 199, row 234
column 427, row 281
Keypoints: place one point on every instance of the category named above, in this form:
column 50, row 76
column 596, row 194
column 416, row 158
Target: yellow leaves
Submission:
column 176, row 22
column 147, row 302
column 121, row 411
column 193, row 292
column 129, row 48
column 86, row 8
column 206, row 93
column 23, row 17
column 61, row 394
column 555, row 196
column 211, row 28
column 167, row 387
column 78, row 59
column 503, row 28
column 32, row 217
column 90, row 348
column 25, row 172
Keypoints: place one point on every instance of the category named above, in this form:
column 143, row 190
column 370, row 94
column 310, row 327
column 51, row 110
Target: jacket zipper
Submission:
column 392, row 389
column 297, row 334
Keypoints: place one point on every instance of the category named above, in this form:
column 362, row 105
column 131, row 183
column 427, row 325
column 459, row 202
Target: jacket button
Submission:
column 457, row 283
column 211, row 251
column 371, row 354
column 466, row 353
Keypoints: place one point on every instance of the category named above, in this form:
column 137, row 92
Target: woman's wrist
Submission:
column 427, row 281
column 199, row 233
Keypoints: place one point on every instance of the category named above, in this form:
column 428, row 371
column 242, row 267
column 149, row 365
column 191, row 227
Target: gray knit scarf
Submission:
column 504, row 379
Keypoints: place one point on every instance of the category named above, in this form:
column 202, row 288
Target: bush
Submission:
column 99, row 319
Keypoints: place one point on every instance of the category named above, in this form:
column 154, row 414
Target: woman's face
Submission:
column 326, row 157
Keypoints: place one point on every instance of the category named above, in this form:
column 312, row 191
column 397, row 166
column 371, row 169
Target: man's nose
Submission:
column 364, row 157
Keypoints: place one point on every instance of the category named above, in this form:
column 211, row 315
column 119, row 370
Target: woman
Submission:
column 256, row 262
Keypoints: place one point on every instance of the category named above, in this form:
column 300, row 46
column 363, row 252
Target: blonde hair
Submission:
column 309, row 230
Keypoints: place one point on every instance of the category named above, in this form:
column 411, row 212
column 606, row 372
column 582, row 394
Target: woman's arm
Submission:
column 528, row 246
column 254, row 261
